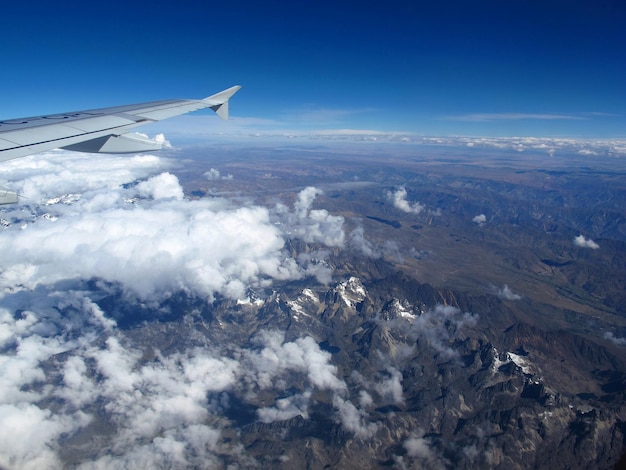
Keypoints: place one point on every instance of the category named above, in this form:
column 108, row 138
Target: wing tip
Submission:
column 219, row 101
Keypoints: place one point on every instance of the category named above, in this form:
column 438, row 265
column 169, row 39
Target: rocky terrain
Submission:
column 427, row 377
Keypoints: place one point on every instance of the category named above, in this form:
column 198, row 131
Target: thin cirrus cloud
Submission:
column 485, row 117
column 320, row 115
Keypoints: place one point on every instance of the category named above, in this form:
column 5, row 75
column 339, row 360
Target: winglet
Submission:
column 219, row 101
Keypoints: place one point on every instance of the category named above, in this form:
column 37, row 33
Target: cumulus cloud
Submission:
column 31, row 337
column 505, row 292
column 615, row 339
column 162, row 140
column 95, row 227
column 44, row 177
column 31, row 430
column 286, row 408
column 399, row 200
column 191, row 446
column 214, row 175
column 165, row 410
column 480, row 219
column 421, row 452
column 159, row 138
column 387, row 384
column 439, row 327
column 162, row 186
column 389, row 249
column 419, row 448
column 302, row 355
column 391, row 385
column 358, row 241
column 266, row 368
column 146, row 236
column 311, row 225
column 354, row 419
column 441, row 324
column 151, row 250
column 583, row 242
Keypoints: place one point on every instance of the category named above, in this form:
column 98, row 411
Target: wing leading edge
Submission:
column 99, row 130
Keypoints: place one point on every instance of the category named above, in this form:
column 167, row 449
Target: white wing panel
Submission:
column 59, row 132
column 158, row 113
column 5, row 144
column 37, row 135
column 20, row 137
column 100, row 123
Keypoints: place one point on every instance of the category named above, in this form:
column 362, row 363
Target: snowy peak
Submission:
column 351, row 292
column 306, row 304
column 399, row 309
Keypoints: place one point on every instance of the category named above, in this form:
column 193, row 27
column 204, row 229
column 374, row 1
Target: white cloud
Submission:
column 164, row 410
column 506, row 293
column 302, row 355
column 399, row 200
column 419, row 448
column 422, row 453
column 152, row 249
column 286, row 408
column 55, row 173
column 120, row 225
column 482, row 117
column 389, row 249
column 440, row 325
column 147, row 399
column 387, row 384
column 480, row 219
column 159, row 138
column 154, row 246
column 615, row 339
column 391, row 386
column 311, row 225
column 358, row 241
column 354, row 419
column 583, row 242
column 214, row 175
column 29, row 432
column 162, row 140
column 365, row 399
column 162, row 186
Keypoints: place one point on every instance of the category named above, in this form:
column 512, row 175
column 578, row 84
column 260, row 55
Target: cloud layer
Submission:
column 97, row 223
column 119, row 224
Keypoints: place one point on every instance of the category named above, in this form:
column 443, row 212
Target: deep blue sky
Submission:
column 472, row 67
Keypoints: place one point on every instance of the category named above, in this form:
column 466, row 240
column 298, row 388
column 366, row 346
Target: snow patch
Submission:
column 64, row 199
column 296, row 309
column 403, row 310
column 308, row 293
column 249, row 301
column 519, row 362
column 352, row 291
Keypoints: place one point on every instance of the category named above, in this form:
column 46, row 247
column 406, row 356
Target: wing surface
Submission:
column 99, row 130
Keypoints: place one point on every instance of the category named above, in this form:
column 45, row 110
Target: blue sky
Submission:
column 472, row 67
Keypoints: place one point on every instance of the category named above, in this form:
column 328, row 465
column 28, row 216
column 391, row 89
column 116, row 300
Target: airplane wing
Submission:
column 99, row 130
